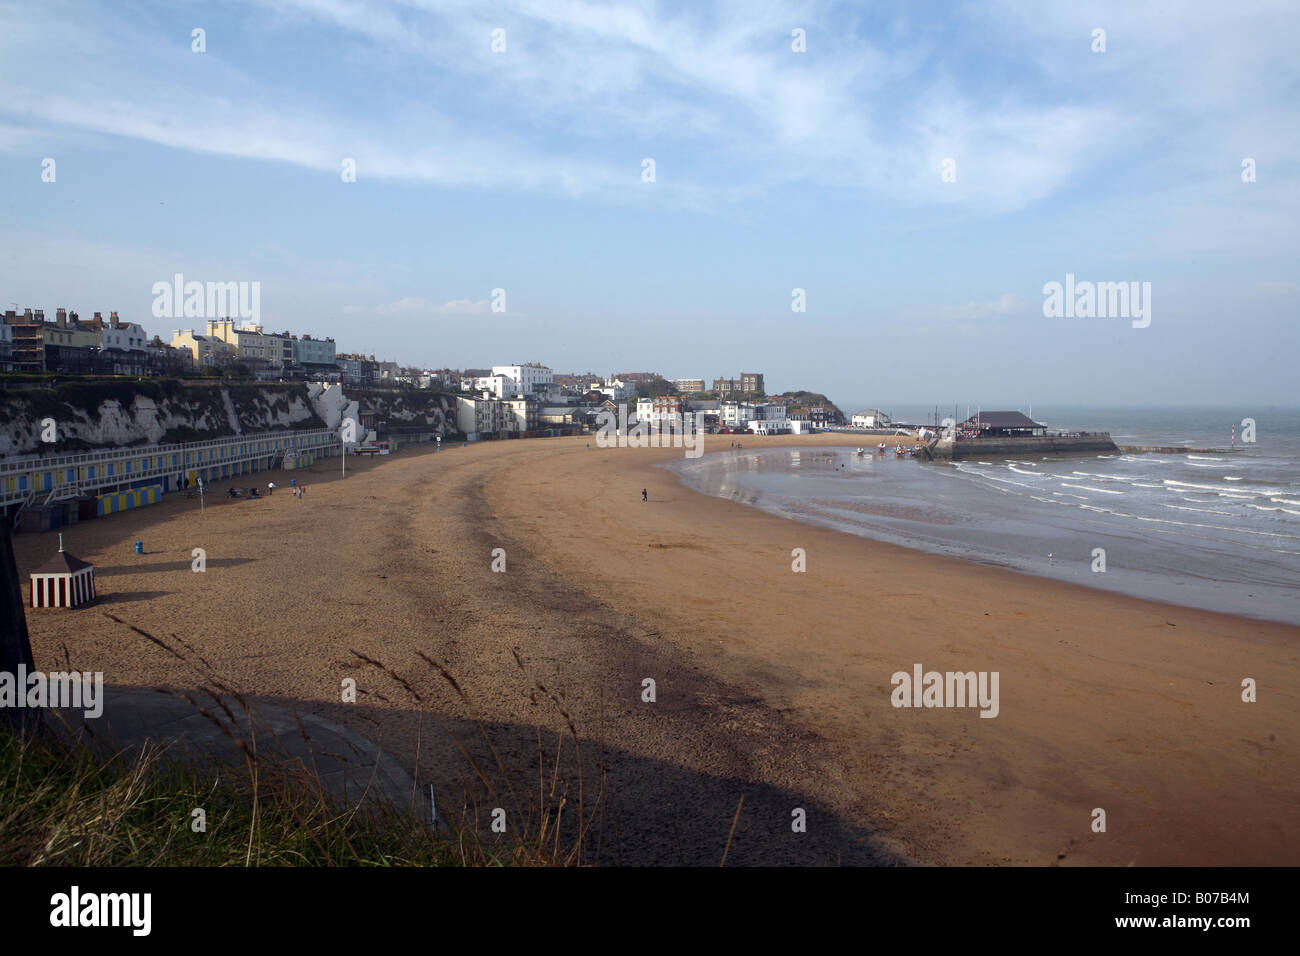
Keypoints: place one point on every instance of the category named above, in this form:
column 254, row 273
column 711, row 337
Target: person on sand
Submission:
column 270, row 487
column 644, row 495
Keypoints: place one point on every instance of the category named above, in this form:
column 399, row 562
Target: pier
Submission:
column 1012, row 435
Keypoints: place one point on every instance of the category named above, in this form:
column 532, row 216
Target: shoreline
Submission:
column 771, row 684
column 1009, row 561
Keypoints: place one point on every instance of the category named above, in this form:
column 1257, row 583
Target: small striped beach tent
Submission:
column 63, row 581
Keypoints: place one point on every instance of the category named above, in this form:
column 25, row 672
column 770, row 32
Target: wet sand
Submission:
column 770, row 685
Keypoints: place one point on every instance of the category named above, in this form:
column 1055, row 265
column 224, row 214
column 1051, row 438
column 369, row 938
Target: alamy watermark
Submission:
column 950, row 689
column 1098, row 300
column 127, row 910
column 664, row 430
column 206, row 300
column 71, row 690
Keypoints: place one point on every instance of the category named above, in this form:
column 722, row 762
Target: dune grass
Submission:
column 65, row 803
column 68, row 800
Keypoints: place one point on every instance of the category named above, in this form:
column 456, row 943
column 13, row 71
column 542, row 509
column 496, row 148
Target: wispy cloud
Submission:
column 1006, row 304
column 584, row 91
column 415, row 306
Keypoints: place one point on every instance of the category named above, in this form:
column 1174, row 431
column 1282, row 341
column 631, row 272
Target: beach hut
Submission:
column 63, row 581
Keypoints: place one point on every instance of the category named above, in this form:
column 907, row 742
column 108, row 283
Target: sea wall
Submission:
column 84, row 415
column 981, row 448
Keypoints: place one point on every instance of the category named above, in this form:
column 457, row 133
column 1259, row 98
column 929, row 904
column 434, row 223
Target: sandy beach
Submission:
column 770, row 685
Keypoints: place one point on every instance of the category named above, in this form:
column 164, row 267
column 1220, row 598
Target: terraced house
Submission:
column 208, row 352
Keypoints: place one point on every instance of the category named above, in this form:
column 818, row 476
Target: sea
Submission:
column 1218, row 531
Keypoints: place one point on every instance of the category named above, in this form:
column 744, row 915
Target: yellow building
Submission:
column 207, row 351
column 252, row 342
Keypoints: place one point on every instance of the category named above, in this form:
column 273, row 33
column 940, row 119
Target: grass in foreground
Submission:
column 64, row 804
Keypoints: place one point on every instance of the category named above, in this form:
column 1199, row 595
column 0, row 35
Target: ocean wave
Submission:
column 1104, row 491
column 1191, row 524
column 1267, row 508
column 1204, row 511
column 1284, row 501
column 1232, row 478
column 1191, row 484
column 1206, row 458
column 990, row 477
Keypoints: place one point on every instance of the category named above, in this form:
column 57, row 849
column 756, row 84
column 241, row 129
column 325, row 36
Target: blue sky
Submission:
column 819, row 170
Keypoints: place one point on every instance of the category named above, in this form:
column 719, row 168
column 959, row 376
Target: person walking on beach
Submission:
column 644, row 496
column 270, row 487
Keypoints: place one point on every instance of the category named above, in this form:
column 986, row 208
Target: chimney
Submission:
column 61, row 316
column 114, row 320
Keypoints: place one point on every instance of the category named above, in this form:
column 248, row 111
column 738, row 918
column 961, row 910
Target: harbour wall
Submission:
column 979, row 448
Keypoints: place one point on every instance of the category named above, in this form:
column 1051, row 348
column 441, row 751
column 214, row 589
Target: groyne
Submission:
column 1175, row 450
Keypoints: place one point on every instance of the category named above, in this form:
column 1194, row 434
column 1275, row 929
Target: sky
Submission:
column 920, row 170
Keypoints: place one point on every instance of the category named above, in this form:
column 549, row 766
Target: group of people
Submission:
column 296, row 490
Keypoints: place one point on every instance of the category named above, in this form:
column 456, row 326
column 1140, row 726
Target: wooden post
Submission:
column 15, row 644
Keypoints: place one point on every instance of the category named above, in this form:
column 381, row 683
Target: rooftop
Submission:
column 1001, row 420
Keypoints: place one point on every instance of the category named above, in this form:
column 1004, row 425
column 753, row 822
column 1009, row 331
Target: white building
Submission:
column 520, row 414
column 525, row 378
column 871, row 418
column 477, row 417
column 773, row 426
column 126, row 336
column 769, row 412
column 736, row 414
column 613, row 389
column 499, row 386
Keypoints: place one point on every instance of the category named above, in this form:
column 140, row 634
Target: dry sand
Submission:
column 771, row 685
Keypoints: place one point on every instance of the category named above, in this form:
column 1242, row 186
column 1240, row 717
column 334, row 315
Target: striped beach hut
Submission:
column 63, row 581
